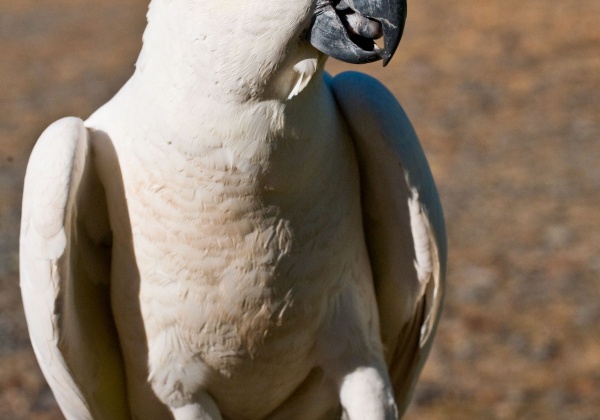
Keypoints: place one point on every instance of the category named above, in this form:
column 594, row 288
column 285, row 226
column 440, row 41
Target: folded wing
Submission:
column 65, row 268
column 403, row 223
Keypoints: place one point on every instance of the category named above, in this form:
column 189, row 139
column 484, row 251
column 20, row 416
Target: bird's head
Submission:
column 264, row 48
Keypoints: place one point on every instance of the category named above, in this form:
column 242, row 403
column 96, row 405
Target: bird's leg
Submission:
column 203, row 408
column 366, row 393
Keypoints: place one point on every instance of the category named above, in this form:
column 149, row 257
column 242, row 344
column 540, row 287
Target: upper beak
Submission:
column 347, row 29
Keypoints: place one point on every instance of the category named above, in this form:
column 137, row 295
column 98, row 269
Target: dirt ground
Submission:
column 505, row 95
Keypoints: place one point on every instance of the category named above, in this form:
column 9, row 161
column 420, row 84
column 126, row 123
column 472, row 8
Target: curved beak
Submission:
column 347, row 29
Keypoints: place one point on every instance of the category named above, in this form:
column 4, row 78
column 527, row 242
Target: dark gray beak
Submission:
column 347, row 29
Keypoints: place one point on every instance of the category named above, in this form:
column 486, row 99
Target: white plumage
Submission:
column 235, row 234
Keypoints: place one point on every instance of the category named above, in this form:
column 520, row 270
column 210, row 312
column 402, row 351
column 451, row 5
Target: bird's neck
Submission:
column 200, row 87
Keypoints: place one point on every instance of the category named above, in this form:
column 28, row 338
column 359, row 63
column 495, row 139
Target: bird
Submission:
column 237, row 234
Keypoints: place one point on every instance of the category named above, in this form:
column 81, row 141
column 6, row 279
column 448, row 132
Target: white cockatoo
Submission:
column 236, row 234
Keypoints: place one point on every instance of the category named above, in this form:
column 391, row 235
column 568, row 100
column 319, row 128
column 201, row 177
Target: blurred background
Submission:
column 505, row 95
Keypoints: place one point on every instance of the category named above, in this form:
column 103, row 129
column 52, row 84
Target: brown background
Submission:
column 505, row 95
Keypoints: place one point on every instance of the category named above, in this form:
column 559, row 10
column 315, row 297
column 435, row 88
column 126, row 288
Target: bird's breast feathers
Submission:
column 237, row 263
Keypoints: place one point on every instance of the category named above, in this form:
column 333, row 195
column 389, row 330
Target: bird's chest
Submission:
column 237, row 266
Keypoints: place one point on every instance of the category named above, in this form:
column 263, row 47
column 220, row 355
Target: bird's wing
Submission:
column 403, row 223
column 64, row 268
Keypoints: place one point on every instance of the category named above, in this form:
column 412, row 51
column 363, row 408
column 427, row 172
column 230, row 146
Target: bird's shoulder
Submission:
column 50, row 179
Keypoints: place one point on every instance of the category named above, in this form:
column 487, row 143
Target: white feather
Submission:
column 419, row 225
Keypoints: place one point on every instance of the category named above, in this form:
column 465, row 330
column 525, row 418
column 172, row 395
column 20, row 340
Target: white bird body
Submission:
column 215, row 206
column 245, row 261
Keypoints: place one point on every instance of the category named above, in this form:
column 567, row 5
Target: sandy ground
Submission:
column 505, row 95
